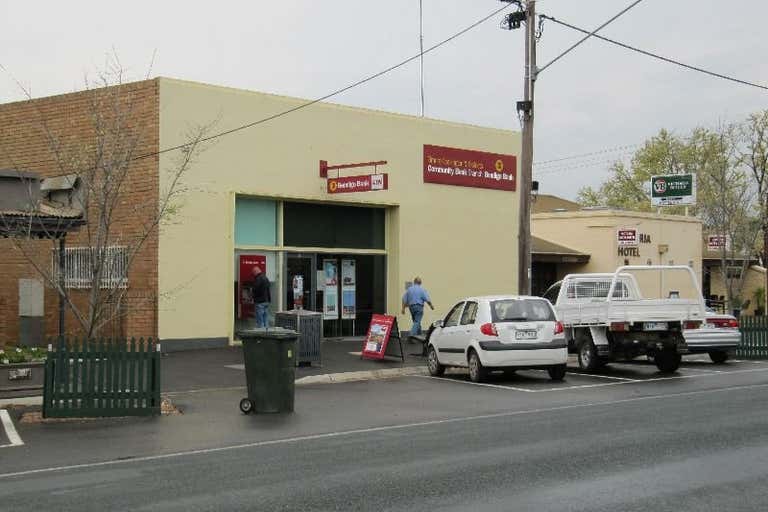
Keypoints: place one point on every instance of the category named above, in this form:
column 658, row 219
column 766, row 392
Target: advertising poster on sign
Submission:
column 348, row 291
column 245, row 292
column 378, row 336
column 718, row 243
column 627, row 237
column 331, row 295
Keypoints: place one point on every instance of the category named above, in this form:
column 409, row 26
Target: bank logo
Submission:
column 499, row 165
column 332, row 185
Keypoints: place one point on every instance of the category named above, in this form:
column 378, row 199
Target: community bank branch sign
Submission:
column 469, row 168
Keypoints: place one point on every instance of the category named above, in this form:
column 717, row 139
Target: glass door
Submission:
column 300, row 282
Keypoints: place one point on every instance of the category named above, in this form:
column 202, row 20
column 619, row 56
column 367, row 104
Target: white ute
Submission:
column 606, row 318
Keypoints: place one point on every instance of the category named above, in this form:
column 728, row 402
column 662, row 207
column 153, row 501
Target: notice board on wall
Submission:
column 348, row 290
column 331, row 287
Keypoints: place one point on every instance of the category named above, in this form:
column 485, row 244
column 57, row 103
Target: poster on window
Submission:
column 348, row 291
column 244, row 289
column 331, row 290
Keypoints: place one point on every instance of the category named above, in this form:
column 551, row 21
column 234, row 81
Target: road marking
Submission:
column 344, row 433
column 10, row 430
column 703, row 370
column 482, row 384
column 604, row 376
column 602, row 384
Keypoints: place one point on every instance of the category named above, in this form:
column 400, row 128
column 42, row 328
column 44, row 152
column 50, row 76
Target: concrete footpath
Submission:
column 222, row 368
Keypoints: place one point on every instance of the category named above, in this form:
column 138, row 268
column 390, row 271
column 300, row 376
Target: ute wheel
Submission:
column 477, row 373
column 667, row 361
column 557, row 372
column 246, row 406
column 435, row 368
column 718, row 357
column 588, row 359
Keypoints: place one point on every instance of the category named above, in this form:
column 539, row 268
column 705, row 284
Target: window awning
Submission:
column 549, row 252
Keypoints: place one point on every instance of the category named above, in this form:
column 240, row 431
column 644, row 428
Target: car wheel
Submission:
column 667, row 361
column 477, row 373
column 557, row 372
column 588, row 359
column 246, row 406
column 718, row 357
column 433, row 363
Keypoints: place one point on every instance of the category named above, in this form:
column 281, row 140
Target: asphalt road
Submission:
column 626, row 441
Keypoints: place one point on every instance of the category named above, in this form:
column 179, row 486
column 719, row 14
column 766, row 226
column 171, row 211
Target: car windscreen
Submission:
column 521, row 310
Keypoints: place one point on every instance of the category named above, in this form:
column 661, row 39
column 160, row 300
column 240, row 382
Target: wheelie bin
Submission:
column 270, row 369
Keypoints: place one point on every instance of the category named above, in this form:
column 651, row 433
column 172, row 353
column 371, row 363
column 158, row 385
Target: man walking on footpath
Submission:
column 261, row 297
column 413, row 299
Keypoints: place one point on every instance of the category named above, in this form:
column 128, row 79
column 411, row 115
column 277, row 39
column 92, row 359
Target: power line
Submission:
column 336, row 92
column 547, row 163
column 581, row 165
column 589, row 34
column 660, row 57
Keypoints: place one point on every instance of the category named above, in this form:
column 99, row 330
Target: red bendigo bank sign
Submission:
column 468, row 168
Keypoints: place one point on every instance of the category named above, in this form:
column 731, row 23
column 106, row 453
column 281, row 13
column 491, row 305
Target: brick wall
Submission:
column 24, row 145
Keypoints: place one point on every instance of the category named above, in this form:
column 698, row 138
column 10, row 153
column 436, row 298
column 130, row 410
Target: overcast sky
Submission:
column 597, row 98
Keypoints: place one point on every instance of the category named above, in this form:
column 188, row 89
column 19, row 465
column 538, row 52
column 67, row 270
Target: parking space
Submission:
column 614, row 374
column 8, row 435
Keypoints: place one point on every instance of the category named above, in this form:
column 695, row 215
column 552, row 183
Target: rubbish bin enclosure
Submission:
column 309, row 326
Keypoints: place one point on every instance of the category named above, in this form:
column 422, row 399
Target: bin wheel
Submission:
column 246, row 406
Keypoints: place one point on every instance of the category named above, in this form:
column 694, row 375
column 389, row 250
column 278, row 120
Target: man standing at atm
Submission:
column 413, row 299
column 261, row 296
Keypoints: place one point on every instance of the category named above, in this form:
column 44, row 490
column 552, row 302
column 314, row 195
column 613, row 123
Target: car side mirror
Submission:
column 439, row 324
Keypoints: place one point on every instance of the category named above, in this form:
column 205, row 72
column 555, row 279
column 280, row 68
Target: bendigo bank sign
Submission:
column 468, row 168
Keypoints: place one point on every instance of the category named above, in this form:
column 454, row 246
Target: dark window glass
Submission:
column 470, row 313
column 521, row 310
column 552, row 293
column 323, row 225
column 452, row 320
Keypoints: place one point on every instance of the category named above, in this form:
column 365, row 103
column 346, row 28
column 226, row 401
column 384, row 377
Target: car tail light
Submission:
column 724, row 322
column 619, row 326
column 489, row 330
column 690, row 324
column 558, row 327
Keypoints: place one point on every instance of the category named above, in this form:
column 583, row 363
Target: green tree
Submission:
column 729, row 164
column 628, row 185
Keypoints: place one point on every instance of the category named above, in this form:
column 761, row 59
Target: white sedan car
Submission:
column 498, row 332
column 718, row 336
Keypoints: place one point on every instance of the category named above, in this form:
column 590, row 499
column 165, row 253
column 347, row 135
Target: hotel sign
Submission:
column 673, row 189
column 363, row 183
column 469, row 168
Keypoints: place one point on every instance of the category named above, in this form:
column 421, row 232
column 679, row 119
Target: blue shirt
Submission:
column 415, row 294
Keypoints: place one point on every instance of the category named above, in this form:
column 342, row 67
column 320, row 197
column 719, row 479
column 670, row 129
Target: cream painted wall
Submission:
column 594, row 233
column 754, row 280
column 461, row 241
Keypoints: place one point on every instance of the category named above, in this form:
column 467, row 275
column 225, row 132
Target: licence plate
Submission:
column 655, row 326
column 526, row 335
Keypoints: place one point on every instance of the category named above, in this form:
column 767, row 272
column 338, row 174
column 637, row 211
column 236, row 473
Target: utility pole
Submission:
column 421, row 54
column 526, row 14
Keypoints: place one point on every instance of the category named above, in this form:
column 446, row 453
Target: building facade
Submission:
column 601, row 240
column 443, row 206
